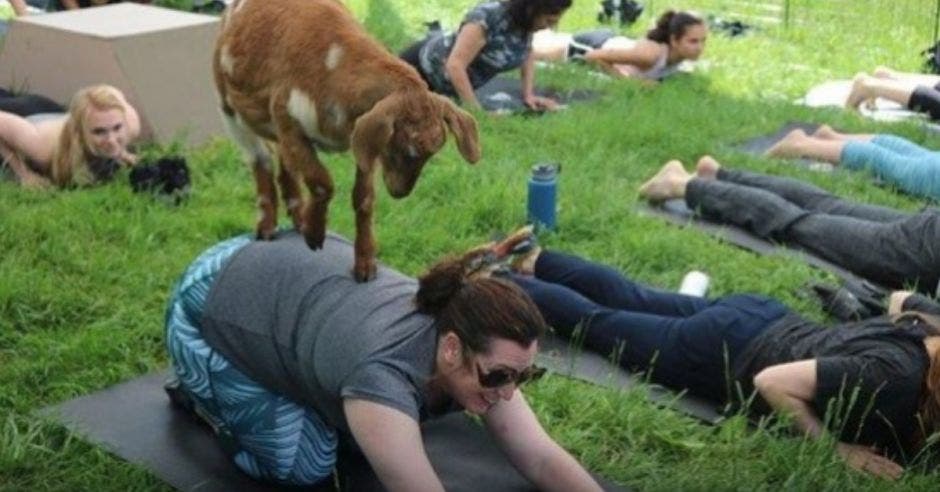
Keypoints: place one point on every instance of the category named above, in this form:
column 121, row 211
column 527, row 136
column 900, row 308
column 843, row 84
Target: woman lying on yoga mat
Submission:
column 893, row 248
column 897, row 161
column 915, row 91
column 723, row 349
column 284, row 353
column 677, row 37
column 80, row 147
column 494, row 37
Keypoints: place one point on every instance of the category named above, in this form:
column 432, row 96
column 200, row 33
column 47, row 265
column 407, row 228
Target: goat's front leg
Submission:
column 293, row 198
column 363, row 199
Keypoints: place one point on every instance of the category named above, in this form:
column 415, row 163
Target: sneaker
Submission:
column 576, row 51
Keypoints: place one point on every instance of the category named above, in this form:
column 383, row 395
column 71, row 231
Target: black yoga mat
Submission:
column 761, row 144
column 677, row 212
column 503, row 94
column 136, row 421
column 564, row 357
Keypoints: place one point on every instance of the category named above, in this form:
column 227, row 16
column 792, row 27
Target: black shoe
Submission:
column 841, row 304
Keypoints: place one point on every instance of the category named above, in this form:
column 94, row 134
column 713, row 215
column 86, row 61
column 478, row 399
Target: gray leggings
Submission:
column 892, row 248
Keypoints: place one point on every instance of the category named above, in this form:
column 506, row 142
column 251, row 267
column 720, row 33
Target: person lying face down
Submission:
column 677, row 37
column 899, row 247
column 69, row 149
column 494, row 36
column 876, row 383
column 260, row 330
column 898, row 161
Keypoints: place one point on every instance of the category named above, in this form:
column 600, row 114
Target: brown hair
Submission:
column 672, row 24
column 929, row 407
column 477, row 308
column 72, row 153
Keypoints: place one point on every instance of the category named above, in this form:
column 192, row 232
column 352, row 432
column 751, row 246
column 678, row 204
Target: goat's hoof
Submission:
column 364, row 270
column 265, row 233
column 313, row 237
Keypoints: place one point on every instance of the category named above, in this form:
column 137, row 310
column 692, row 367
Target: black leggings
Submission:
column 926, row 99
column 27, row 104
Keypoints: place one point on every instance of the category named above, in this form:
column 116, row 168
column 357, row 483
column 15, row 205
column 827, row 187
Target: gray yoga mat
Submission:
column 504, row 94
column 136, row 421
column 676, row 212
column 761, row 144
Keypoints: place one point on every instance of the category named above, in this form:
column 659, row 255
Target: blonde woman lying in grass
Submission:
column 72, row 148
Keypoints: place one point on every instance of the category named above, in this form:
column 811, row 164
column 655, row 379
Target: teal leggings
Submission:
column 900, row 162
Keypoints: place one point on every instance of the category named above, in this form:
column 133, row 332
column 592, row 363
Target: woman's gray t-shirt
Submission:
column 296, row 321
column 506, row 48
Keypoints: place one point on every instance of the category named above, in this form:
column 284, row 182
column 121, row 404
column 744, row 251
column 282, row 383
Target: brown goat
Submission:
column 299, row 76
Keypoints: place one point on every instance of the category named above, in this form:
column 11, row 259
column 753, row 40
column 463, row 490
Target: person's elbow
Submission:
column 455, row 69
column 768, row 382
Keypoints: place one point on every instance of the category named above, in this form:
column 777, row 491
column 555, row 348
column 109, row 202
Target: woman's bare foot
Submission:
column 826, row 132
column 860, row 93
column 883, row 72
column 896, row 301
column 707, row 167
column 668, row 183
column 789, row 146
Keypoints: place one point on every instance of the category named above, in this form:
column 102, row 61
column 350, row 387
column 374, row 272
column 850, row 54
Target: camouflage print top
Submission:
column 506, row 48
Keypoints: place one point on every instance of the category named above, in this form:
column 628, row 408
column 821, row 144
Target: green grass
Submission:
column 84, row 275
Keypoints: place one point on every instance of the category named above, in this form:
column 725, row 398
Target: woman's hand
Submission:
column 866, row 460
column 34, row 181
column 127, row 158
column 539, row 103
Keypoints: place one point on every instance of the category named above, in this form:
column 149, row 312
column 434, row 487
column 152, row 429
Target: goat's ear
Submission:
column 372, row 133
column 463, row 126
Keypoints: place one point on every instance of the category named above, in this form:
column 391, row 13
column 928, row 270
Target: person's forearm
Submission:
column 606, row 67
column 461, row 83
column 561, row 472
column 527, row 76
column 799, row 410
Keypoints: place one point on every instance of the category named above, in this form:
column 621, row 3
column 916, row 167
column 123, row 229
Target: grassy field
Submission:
column 84, row 274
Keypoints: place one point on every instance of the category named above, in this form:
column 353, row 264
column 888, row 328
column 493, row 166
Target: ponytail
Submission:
column 672, row 24
column 477, row 307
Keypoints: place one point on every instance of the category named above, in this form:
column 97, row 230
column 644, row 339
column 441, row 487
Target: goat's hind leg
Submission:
column 259, row 160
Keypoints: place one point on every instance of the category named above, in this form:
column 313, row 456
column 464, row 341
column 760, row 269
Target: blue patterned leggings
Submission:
column 269, row 437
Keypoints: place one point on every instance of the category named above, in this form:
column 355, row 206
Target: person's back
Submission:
column 297, row 322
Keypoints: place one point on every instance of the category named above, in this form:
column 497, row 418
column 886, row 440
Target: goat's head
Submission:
column 404, row 130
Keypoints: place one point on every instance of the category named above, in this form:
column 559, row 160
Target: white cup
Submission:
column 695, row 283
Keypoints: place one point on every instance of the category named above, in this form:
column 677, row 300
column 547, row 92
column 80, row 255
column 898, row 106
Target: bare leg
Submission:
column 914, row 78
column 548, row 45
column 797, row 144
column 866, row 88
column 669, row 182
column 825, row 132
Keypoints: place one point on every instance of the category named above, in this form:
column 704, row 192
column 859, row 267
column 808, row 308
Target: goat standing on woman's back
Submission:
column 303, row 75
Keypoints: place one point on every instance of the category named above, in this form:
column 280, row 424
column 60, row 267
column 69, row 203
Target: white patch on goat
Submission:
column 226, row 61
column 250, row 144
column 304, row 111
column 412, row 152
column 333, row 56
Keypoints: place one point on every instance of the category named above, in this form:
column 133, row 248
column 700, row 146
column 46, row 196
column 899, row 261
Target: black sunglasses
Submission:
column 502, row 377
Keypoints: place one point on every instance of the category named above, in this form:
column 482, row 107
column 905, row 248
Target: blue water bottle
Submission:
column 543, row 189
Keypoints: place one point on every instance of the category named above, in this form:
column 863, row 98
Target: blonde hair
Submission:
column 71, row 155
